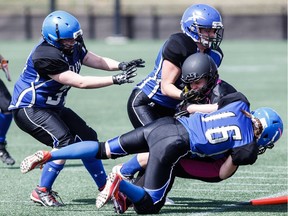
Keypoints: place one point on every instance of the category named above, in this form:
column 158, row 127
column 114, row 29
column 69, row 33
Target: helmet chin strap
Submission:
column 57, row 31
column 67, row 51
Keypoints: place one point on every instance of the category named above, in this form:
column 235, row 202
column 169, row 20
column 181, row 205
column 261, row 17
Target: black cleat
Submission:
column 5, row 156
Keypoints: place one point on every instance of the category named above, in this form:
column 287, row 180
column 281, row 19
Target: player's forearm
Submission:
column 227, row 168
column 84, row 82
column 171, row 90
column 89, row 82
column 98, row 62
column 203, row 108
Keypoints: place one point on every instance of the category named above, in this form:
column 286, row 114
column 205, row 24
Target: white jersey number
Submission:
column 56, row 101
column 220, row 134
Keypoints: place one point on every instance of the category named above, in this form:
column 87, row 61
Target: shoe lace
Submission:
column 53, row 194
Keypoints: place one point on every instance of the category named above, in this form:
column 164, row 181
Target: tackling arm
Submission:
column 203, row 108
column 170, row 74
column 227, row 168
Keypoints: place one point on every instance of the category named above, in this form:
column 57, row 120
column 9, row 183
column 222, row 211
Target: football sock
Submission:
column 49, row 174
column 133, row 192
column 96, row 170
column 80, row 150
column 130, row 167
column 5, row 121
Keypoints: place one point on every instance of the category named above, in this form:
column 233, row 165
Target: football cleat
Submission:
column 36, row 160
column 120, row 202
column 112, row 186
column 5, row 157
column 45, row 197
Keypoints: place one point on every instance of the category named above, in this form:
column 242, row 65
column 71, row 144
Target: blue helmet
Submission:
column 272, row 127
column 202, row 16
column 60, row 25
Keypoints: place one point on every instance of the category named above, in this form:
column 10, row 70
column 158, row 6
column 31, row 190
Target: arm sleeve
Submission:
column 245, row 155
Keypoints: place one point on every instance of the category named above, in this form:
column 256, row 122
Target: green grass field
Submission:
column 256, row 68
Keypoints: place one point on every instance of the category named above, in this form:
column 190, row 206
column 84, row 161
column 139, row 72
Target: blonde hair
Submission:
column 256, row 123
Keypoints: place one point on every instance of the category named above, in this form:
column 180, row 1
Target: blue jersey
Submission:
column 35, row 88
column 176, row 49
column 216, row 133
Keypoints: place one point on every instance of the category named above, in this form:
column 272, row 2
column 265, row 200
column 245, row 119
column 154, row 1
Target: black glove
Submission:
column 191, row 96
column 126, row 65
column 181, row 109
column 125, row 76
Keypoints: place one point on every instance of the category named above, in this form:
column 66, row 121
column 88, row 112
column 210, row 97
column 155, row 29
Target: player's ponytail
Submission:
column 257, row 125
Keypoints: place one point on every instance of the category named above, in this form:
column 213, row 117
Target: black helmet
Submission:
column 198, row 66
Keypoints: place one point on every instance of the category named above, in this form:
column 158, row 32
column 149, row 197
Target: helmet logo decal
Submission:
column 196, row 16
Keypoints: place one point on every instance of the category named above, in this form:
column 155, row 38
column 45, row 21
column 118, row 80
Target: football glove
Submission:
column 125, row 76
column 4, row 67
column 193, row 96
column 181, row 109
column 126, row 65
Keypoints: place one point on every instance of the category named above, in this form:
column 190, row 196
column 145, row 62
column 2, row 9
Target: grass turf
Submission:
column 256, row 68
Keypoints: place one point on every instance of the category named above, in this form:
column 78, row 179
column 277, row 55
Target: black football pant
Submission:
column 167, row 141
column 142, row 110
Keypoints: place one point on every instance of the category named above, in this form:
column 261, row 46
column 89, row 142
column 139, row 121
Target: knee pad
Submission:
column 101, row 154
column 146, row 206
column 116, row 149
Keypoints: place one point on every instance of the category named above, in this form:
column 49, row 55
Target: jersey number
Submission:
column 57, row 100
column 220, row 134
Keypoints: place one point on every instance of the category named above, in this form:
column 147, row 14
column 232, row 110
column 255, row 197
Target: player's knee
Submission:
column 101, row 154
column 146, row 206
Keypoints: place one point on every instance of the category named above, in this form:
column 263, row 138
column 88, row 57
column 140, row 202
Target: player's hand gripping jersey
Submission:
column 35, row 88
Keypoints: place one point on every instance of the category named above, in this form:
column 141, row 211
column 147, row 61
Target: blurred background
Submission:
column 149, row 19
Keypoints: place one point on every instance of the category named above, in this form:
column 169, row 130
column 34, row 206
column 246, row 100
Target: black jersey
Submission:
column 35, row 88
column 176, row 49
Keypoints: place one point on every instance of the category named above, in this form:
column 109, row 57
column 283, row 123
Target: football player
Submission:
column 162, row 90
column 224, row 129
column 5, row 114
column 38, row 101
